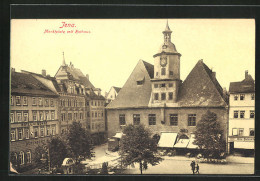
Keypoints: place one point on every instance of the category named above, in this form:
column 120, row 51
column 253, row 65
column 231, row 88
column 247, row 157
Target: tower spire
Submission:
column 167, row 33
column 63, row 61
column 167, row 26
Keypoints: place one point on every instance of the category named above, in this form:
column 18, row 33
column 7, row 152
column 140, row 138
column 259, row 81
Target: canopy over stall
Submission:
column 182, row 143
column 244, row 145
column 118, row 135
column 191, row 144
column 167, row 139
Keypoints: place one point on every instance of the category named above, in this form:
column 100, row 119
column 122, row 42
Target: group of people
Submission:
column 195, row 167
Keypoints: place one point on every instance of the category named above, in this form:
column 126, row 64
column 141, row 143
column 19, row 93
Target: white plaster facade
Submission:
column 242, row 116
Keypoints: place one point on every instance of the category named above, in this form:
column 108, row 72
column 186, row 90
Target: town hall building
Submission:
column 155, row 96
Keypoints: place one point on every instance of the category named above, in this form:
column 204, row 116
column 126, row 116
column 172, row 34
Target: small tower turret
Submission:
column 63, row 60
column 166, row 81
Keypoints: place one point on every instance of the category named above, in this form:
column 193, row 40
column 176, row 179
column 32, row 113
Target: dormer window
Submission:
column 242, row 97
column 235, row 97
column 140, row 81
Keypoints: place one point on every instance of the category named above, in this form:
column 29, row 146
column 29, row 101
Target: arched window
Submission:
column 21, row 158
column 29, row 157
column 156, row 137
column 13, row 158
column 184, row 136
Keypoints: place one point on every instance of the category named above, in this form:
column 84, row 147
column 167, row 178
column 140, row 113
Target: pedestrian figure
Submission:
column 192, row 166
column 197, row 169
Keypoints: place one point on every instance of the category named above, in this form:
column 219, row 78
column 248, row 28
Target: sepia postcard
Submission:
column 132, row 96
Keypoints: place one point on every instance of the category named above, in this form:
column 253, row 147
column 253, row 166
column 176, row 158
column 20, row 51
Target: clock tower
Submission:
column 166, row 81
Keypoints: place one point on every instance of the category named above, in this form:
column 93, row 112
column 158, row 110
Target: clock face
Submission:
column 163, row 61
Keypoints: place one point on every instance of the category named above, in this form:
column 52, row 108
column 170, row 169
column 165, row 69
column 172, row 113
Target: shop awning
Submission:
column 182, row 143
column 111, row 139
column 118, row 135
column 167, row 139
column 191, row 145
column 244, row 145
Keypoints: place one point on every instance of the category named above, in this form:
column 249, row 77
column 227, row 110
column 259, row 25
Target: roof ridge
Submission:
column 38, row 85
column 135, row 94
column 43, row 84
column 148, row 66
column 206, row 67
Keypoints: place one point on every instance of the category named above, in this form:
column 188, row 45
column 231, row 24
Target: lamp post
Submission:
column 47, row 150
column 49, row 160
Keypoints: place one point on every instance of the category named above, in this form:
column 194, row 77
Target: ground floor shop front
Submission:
column 244, row 146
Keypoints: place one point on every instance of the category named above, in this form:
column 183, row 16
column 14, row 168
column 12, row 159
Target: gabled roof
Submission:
column 245, row 86
column 201, row 88
column 49, row 78
column 85, row 81
column 117, row 89
column 94, row 96
column 150, row 69
column 22, row 83
column 71, row 73
column 131, row 94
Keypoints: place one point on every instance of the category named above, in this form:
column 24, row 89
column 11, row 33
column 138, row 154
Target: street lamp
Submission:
column 43, row 159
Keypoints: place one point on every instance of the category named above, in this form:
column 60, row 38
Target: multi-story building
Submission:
column 155, row 96
column 80, row 100
column 72, row 98
column 33, row 118
column 96, row 116
column 112, row 94
column 242, row 115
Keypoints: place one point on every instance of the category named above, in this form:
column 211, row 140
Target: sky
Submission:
column 109, row 49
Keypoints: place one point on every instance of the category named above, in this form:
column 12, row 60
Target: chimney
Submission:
column 246, row 74
column 213, row 75
column 71, row 65
column 87, row 76
column 43, row 72
column 224, row 90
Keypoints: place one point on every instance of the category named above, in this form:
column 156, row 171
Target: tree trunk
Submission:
column 141, row 167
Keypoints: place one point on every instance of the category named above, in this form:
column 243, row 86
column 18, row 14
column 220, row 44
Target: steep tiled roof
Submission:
column 92, row 95
column 73, row 74
column 200, row 89
column 85, row 81
column 245, row 86
column 52, row 79
column 117, row 89
column 131, row 94
column 22, row 83
column 150, row 69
